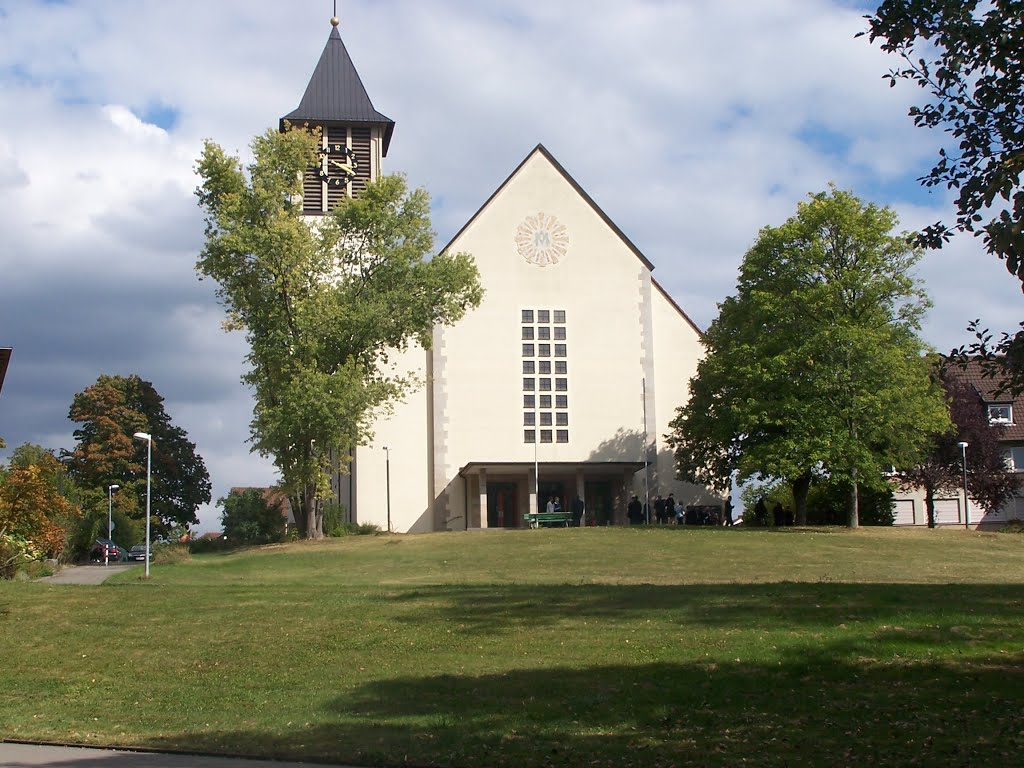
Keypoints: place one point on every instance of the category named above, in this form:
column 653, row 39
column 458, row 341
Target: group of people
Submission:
column 668, row 511
column 578, row 508
column 780, row 516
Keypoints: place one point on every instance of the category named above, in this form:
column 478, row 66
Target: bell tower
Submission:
column 355, row 136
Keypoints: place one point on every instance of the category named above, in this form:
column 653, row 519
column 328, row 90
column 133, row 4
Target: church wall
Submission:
column 601, row 287
column 405, row 433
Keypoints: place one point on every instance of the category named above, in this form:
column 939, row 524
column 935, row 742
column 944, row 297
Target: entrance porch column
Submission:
column 482, row 483
column 531, row 481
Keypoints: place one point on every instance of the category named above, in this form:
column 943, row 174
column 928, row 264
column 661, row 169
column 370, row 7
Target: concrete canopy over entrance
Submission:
column 498, row 494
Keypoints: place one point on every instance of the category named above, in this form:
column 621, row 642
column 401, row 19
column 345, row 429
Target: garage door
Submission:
column 904, row 512
column 947, row 511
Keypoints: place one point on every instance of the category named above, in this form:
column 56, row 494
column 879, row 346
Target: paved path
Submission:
column 32, row 756
column 86, row 574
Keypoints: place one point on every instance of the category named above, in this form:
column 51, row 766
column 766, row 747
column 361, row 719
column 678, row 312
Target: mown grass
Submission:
column 594, row 647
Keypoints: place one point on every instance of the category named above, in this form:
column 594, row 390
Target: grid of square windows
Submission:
column 544, row 326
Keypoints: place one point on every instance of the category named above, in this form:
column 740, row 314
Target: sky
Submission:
column 693, row 124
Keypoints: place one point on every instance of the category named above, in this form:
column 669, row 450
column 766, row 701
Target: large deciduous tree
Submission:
column 110, row 412
column 967, row 56
column 249, row 518
column 323, row 305
column 814, row 366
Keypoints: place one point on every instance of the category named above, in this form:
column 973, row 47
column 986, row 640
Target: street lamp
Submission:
column 149, row 475
column 110, row 518
column 967, row 510
column 387, row 471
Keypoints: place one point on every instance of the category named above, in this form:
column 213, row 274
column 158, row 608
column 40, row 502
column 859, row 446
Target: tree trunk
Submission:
column 854, row 501
column 800, row 488
column 929, row 505
column 314, row 522
column 300, row 519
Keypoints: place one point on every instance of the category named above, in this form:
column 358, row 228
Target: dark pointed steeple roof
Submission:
column 336, row 94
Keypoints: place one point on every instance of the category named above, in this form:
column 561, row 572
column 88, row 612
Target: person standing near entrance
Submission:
column 550, row 505
column 579, row 511
column 635, row 511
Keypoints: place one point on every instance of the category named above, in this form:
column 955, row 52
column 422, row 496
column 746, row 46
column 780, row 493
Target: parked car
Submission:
column 138, row 552
column 105, row 549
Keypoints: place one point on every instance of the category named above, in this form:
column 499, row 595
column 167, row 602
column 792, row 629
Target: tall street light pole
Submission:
column 967, row 510
column 149, row 482
column 387, row 475
column 110, row 519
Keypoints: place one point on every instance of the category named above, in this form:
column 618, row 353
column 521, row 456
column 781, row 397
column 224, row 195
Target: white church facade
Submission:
column 562, row 382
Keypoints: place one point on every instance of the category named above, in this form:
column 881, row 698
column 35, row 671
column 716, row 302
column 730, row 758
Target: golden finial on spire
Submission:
column 335, row 21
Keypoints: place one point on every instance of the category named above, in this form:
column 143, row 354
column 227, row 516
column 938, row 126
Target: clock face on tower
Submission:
column 338, row 166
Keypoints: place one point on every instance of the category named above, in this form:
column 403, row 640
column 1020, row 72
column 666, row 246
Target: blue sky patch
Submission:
column 161, row 115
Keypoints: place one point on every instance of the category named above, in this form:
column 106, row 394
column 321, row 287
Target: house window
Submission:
column 528, row 332
column 527, row 315
column 528, row 385
column 561, row 367
column 561, row 385
column 545, row 385
column 528, row 367
column 527, row 350
column 562, row 419
column 545, row 418
column 529, row 435
column 529, row 401
column 559, row 349
column 560, row 333
column 559, row 315
column 545, row 401
column 543, row 316
column 545, row 435
column 544, row 333
column 529, row 419
column 545, row 349
column 561, row 401
column 545, row 367
column 1000, row 413
column 563, row 435
column 1017, row 458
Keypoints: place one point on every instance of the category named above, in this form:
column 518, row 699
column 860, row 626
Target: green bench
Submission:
column 537, row 519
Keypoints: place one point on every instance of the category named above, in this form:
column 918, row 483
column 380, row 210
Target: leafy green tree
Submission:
column 33, row 505
column 322, row 306
column 248, row 517
column 967, row 56
column 814, row 367
column 110, row 412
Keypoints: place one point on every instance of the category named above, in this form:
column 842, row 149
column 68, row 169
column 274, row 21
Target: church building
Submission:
column 561, row 384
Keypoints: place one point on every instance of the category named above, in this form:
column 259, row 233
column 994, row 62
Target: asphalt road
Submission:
column 33, row 756
column 86, row 574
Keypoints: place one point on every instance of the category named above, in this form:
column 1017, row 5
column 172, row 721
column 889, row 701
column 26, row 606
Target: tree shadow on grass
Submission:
column 813, row 711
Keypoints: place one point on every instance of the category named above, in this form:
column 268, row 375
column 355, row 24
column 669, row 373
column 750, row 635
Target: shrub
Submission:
column 168, row 554
column 358, row 529
column 1013, row 526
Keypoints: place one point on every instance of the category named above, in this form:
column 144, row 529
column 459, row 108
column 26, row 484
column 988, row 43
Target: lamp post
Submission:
column 149, row 475
column 967, row 510
column 110, row 519
column 387, row 475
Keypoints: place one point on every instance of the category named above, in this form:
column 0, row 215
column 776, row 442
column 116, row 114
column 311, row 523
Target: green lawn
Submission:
column 593, row 647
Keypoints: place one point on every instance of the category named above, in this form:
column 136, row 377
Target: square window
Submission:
column 527, row 315
column 563, row 435
column 561, row 385
column 545, row 385
column 528, row 366
column 545, row 401
column 529, row 401
column 529, row 418
column 527, row 350
column 545, row 435
column 1000, row 413
column 545, row 367
column 561, row 367
column 544, row 333
column 560, row 332
column 545, row 418
column 1016, row 462
column 559, row 349
column 559, row 315
column 561, row 401
column 543, row 316
column 528, row 385
column 529, row 436
column 562, row 419
column 545, row 349
column 528, row 332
